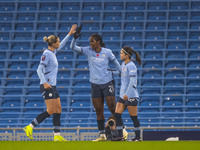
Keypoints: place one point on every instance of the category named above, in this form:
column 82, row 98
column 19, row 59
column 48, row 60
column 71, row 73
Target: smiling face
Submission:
column 93, row 43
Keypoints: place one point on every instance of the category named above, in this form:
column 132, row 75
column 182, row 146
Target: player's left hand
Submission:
column 72, row 30
column 125, row 97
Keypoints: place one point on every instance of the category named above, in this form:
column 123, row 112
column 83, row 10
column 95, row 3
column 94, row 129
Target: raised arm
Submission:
column 74, row 47
column 64, row 41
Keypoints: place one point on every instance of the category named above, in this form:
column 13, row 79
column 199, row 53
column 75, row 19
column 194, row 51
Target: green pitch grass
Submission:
column 87, row 145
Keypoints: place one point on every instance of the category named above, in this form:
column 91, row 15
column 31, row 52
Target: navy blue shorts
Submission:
column 129, row 102
column 103, row 90
column 51, row 93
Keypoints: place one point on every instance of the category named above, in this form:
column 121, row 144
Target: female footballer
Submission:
column 47, row 72
column 128, row 92
column 101, row 79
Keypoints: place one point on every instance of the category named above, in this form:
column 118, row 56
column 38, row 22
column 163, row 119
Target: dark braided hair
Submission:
column 98, row 37
column 130, row 52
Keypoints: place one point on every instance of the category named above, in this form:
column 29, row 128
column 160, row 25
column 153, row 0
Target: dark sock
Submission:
column 40, row 118
column 56, row 122
column 119, row 124
column 137, row 126
column 101, row 126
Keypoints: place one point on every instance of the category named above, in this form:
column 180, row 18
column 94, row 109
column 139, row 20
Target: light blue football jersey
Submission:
column 99, row 64
column 129, row 70
column 49, row 60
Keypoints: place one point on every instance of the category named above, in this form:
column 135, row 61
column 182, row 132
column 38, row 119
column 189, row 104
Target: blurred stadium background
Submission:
column 166, row 33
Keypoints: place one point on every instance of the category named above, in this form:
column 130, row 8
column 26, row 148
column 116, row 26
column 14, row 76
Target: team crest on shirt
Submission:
column 43, row 57
column 104, row 55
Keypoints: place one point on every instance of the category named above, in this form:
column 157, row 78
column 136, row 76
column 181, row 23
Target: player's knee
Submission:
column 50, row 112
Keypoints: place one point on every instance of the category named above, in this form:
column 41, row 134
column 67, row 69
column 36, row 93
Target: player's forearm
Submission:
column 132, row 84
column 41, row 74
column 117, row 64
column 63, row 42
column 74, row 47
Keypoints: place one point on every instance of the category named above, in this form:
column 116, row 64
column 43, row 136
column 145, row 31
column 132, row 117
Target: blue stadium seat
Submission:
column 154, row 45
column 113, row 6
column 151, row 82
column 4, row 36
column 132, row 36
column 2, row 64
column 177, row 35
column 194, row 73
column 3, row 55
column 82, row 74
column 175, row 64
column 92, row 6
column 65, row 65
column 47, row 17
column 133, row 26
column 134, row 16
column 112, row 16
column 5, row 26
column 177, row 26
column 6, row 17
column 151, row 73
column 27, row 6
column 174, row 90
column 178, row 16
column 111, row 36
column 175, row 55
column 156, row 16
column 26, row 17
column 152, row 64
column 174, row 82
column 91, row 16
column 112, row 26
column 194, row 45
column 21, row 46
column 154, row 55
column 154, row 35
column 174, row 73
column 7, row 7
column 18, row 65
column 16, row 74
column 40, row 46
column 157, row 6
column 90, row 26
column 33, row 91
column 23, row 36
column 12, row 91
column 135, row 6
column 155, row 26
column 69, row 16
column 82, row 64
column 63, row 82
column 194, row 64
column 195, row 16
column 72, row 6
column 14, row 82
column 48, row 6
column 176, row 45
column 195, row 25
column 34, row 82
column 195, row 5
column 178, row 5
column 24, row 26
column 193, row 82
column 46, row 26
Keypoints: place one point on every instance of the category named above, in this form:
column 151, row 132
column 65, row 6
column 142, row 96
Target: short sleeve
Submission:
column 44, row 59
